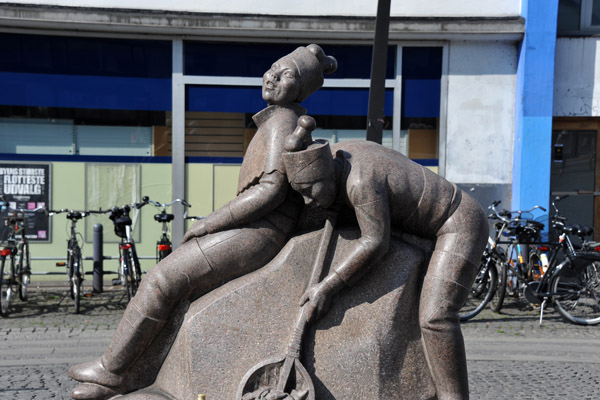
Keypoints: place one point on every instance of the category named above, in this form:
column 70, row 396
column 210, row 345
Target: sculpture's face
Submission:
column 321, row 193
column 280, row 83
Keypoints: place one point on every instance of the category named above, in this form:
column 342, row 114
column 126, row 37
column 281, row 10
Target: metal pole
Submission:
column 178, row 142
column 378, row 66
column 98, row 259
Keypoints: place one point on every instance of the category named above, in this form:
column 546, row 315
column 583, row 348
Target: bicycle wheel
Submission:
column 75, row 281
column 126, row 275
column 497, row 299
column 5, row 289
column 24, row 271
column 76, row 291
column 577, row 288
column 134, row 272
column 482, row 290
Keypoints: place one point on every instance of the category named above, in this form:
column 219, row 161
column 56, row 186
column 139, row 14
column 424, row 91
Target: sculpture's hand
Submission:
column 318, row 298
column 197, row 230
column 278, row 396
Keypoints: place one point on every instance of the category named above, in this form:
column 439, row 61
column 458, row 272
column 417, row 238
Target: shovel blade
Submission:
column 264, row 376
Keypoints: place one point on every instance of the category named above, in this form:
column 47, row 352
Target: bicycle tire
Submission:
column 75, row 270
column 577, row 284
column 135, row 272
column 126, row 276
column 481, row 291
column 24, row 272
column 76, row 290
column 497, row 300
column 5, row 289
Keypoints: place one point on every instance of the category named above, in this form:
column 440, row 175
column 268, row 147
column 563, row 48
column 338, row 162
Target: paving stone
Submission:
column 509, row 355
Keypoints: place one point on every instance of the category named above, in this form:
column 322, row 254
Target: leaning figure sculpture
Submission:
column 386, row 191
column 236, row 239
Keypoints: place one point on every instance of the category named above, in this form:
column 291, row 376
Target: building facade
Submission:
column 128, row 98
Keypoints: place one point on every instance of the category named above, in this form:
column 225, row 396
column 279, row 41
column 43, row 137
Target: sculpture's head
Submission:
column 296, row 76
column 310, row 168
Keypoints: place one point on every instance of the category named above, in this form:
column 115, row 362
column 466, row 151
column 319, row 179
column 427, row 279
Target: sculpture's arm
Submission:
column 374, row 221
column 253, row 203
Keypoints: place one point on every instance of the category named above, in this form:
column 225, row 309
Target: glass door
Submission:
column 575, row 171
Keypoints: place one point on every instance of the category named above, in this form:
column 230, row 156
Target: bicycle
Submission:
column 164, row 247
column 74, row 263
column 16, row 250
column 486, row 281
column 571, row 280
column 526, row 255
column 129, row 265
column 490, row 282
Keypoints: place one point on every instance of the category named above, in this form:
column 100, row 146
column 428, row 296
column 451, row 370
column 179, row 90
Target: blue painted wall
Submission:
column 533, row 106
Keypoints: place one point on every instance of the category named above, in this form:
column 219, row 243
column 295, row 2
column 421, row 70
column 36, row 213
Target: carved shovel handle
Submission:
column 293, row 351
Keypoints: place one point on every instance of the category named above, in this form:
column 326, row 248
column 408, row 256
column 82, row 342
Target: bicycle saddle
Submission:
column 535, row 225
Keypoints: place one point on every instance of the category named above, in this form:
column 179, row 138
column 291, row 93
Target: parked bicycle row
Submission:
column 543, row 264
column 15, row 256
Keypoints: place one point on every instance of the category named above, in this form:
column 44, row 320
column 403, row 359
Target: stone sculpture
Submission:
column 400, row 319
column 238, row 238
column 387, row 190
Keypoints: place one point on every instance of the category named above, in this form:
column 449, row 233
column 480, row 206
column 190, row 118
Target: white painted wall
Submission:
column 577, row 69
column 481, row 108
column 411, row 8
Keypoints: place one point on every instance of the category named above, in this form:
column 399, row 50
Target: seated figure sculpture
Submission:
column 387, row 190
column 236, row 239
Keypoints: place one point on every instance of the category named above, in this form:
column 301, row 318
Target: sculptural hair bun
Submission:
column 328, row 63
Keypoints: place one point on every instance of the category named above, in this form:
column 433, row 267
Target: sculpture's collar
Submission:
column 262, row 116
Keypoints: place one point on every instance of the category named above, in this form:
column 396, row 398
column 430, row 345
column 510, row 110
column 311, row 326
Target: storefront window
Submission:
column 89, row 108
column 421, row 93
column 252, row 60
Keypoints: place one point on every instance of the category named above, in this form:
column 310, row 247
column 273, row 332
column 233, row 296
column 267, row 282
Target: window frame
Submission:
column 585, row 18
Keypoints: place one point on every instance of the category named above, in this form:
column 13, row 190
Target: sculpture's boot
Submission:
column 91, row 391
column 134, row 333
column 440, row 327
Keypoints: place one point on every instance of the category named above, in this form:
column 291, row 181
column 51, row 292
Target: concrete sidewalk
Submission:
column 509, row 355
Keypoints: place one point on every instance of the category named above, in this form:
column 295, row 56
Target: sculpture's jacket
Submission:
column 265, row 201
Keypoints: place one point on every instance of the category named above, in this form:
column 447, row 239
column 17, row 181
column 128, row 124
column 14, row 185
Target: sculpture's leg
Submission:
column 441, row 298
column 450, row 274
column 195, row 268
column 167, row 284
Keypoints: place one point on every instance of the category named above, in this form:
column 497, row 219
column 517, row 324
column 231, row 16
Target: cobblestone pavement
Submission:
column 509, row 355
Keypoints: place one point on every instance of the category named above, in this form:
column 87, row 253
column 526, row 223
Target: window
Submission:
column 576, row 17
column 590, row 15
column 421, row 92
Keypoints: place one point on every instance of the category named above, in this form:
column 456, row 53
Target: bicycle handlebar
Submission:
column 146, row 199
column 505, row 215
column 84, row 213
column 498, row 214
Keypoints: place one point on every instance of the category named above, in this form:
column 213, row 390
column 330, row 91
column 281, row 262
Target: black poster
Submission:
column 26, row 187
